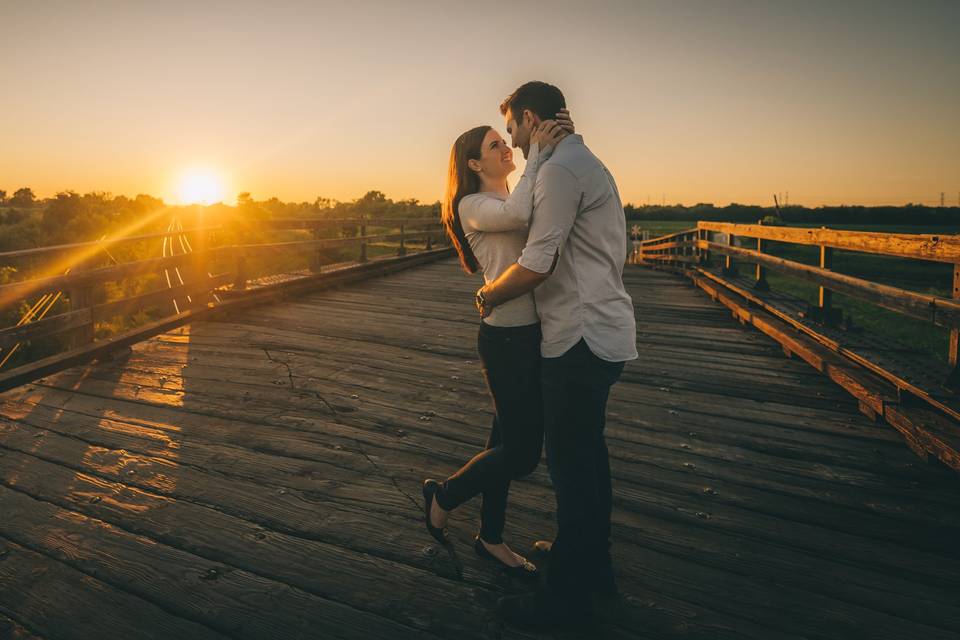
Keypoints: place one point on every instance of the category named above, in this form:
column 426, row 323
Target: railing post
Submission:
column 200, row 266
column 954, row 354
column 363, row 243
column 81, row 297
column 429, row 246
column 825, row 311
column 825, row 300
column 761, row 272
column 240, row 273
column 705, row 255
column 316, row 263
column 729, row 267
column 402, row 251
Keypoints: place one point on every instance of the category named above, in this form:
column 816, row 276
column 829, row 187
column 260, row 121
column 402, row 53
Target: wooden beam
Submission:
column 96, row 313
column 18, row 290
column 653, row 242
column 938, row 248
column 45, row 327
column 95, row 244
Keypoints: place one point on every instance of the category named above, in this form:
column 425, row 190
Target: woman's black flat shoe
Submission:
column 524, row 571
column 430, row 488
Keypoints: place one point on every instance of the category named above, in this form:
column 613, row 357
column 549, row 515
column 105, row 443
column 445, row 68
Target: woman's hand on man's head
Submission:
column 549, row 132
column 563, row 119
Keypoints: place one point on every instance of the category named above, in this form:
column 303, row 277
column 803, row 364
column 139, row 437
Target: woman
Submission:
column 488, row 227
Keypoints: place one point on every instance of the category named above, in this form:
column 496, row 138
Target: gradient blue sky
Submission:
column 837, row 102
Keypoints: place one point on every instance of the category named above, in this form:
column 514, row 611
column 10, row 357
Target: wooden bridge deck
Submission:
column 258, row 477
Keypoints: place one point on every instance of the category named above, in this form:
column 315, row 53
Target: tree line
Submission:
column 26, row 221
column 912, row 214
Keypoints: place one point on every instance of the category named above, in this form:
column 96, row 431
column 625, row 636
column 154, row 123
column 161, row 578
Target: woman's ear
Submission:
column 474, row 165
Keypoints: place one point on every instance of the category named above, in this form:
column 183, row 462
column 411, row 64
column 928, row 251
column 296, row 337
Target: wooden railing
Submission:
column 201, row 291
column 897, row 382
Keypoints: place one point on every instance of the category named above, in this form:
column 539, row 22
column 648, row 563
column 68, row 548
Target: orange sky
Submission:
column 850, row 102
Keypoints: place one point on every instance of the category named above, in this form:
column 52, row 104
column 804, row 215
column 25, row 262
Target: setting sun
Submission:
column 200, row 186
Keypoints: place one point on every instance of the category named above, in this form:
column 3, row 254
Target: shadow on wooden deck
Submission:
column 258, row 477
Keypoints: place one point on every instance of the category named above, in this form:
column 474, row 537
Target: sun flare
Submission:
column 200, row 186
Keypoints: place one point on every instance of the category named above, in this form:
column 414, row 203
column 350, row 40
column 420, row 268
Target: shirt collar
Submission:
column 573, row 138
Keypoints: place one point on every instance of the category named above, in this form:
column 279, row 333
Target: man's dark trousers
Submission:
column 575, row 390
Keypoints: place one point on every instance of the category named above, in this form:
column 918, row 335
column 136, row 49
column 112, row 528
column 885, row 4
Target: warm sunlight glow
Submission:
column 200, row 186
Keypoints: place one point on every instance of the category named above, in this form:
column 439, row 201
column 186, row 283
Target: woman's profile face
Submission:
column 496, row 156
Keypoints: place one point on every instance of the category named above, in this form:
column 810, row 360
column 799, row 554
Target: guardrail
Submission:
column 898, row 383
column 192, row 282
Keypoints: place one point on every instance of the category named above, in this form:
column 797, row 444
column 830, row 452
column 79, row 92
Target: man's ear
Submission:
column 530, row 119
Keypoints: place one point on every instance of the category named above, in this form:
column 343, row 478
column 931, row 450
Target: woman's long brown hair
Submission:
column 462, row 181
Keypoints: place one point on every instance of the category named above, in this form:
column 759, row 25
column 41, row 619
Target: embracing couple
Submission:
column 556, row 327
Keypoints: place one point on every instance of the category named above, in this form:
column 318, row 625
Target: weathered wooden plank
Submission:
column 661, row 560
column 60, row 602
column 370, row 410
column 297, row 444
column 815, row 419
column 703, row 424
column 215, row 455
column 233, row 601
column 224, row 538
column 10, row 629
column 822, row 542
column 810, row 535
column 467, row 405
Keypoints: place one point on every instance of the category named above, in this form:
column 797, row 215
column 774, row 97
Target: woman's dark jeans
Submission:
column 511, row 366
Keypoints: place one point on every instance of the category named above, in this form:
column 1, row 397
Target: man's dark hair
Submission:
column 541, row 98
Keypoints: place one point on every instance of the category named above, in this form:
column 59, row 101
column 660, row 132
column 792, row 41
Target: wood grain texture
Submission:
column 259, row 476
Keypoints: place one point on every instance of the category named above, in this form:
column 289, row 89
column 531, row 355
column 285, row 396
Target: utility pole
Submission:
column 941, row 199
column 787, row 201
column 663, row 199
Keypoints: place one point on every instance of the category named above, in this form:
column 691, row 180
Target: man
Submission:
column 573, row 261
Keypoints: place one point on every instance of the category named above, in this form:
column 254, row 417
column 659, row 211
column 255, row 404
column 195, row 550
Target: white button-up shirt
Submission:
column 577, row 213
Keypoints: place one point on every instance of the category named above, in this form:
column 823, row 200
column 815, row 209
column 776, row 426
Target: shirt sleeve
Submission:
column 556, row 200
column 493, row 214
